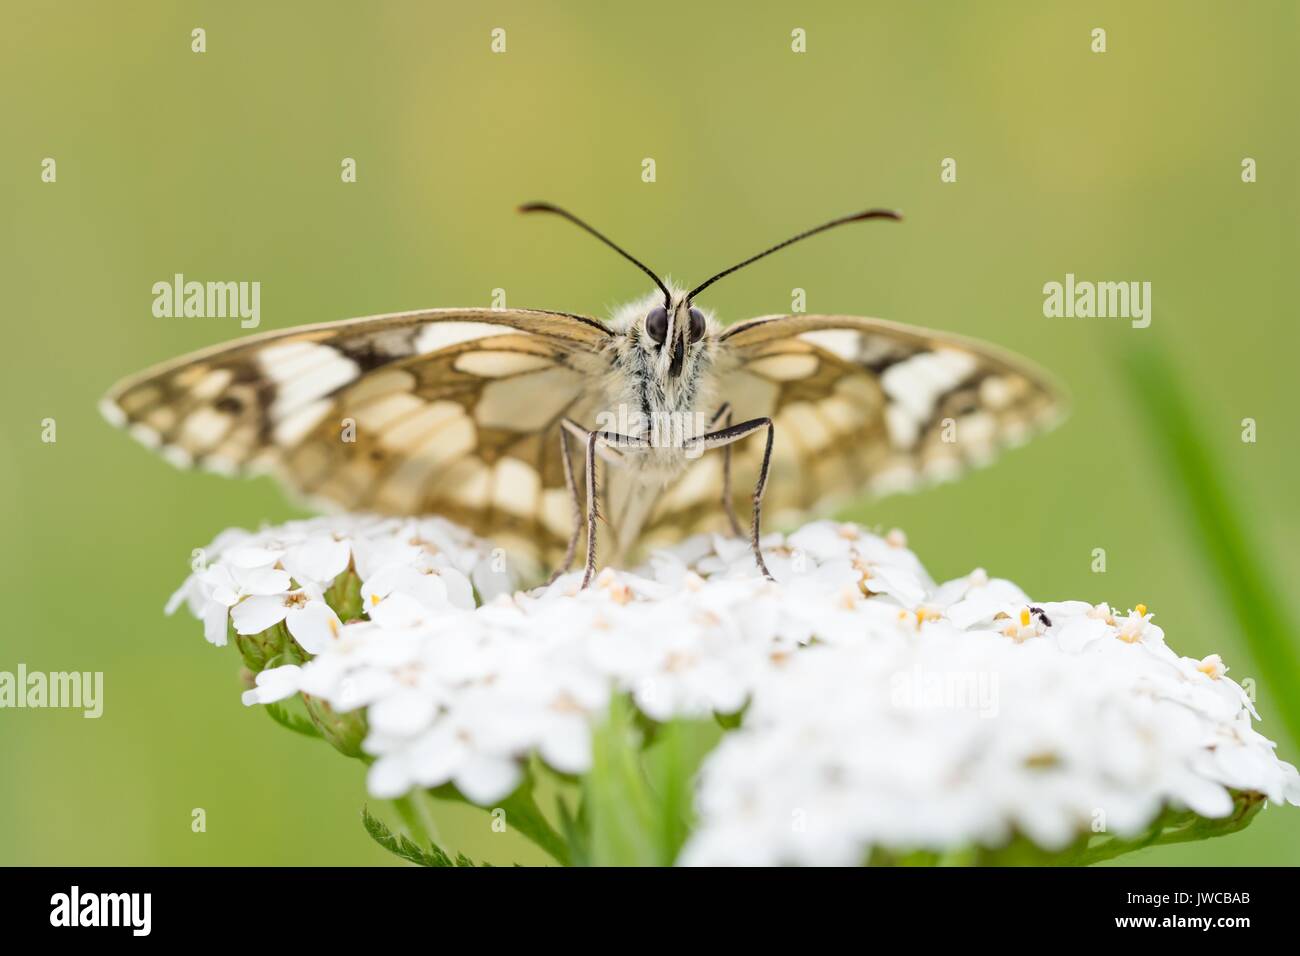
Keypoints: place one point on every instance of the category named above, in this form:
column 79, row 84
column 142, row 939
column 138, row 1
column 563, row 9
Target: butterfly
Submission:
column 532, row 427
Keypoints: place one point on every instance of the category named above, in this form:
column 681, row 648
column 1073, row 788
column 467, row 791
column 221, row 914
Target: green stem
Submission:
column 413, row 820
column 524, row 815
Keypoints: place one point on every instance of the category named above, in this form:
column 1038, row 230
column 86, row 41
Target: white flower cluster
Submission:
column 255, row 580
column 880, row 709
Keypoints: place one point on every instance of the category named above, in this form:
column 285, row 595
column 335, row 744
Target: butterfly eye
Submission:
column 656, row 323
column 697, row 325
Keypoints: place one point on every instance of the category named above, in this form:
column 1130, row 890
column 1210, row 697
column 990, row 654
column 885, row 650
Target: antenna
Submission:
column 564, row 213
column 856, row 217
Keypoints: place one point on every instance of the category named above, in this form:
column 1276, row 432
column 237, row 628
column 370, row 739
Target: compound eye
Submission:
column 656, row 324
column 697, row 325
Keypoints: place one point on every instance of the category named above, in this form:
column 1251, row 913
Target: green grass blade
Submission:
column 1223, row 541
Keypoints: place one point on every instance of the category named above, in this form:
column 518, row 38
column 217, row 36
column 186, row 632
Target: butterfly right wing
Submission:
column 861, row 406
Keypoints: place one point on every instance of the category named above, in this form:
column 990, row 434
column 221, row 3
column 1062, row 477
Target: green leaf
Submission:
column 407, row 849
column 573, row 829
column 522, row 814
column 638, row 798
column 1172, row 826
column 295, row 722
column 670, row 765
column 622, row 816
column 730, row 721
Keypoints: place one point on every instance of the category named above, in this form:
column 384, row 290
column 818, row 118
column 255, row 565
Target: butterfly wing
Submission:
column 450, row 411
column 860, row 406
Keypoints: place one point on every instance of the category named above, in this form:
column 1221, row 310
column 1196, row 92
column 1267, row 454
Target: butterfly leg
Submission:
column 728, row 506
column 609, row 440
column 729, row 435
column 572, row 485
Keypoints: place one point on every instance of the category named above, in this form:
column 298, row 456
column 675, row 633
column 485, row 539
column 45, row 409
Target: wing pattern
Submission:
column 860, row 405
column 447, row 411
column 457, row 412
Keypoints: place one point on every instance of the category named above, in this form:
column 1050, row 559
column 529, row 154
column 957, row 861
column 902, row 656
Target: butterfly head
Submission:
column 667, row 338
column 671, row 332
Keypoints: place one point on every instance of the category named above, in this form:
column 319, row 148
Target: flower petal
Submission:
column 255, row 614
column 314, row 626
column 274, row 684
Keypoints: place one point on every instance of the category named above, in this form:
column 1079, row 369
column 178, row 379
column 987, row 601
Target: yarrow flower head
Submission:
column 872, row 714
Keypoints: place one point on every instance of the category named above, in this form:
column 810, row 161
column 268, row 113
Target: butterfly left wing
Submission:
column 448, row 411
column 860, row 406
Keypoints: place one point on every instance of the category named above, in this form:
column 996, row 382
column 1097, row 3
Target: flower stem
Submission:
column 413, row 820
column 525, row 816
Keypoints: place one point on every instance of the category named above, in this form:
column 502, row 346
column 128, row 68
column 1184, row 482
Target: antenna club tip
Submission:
column 532, row 207
column 893, row 214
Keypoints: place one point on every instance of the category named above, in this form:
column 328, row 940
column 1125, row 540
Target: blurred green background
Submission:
column 225, row 165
